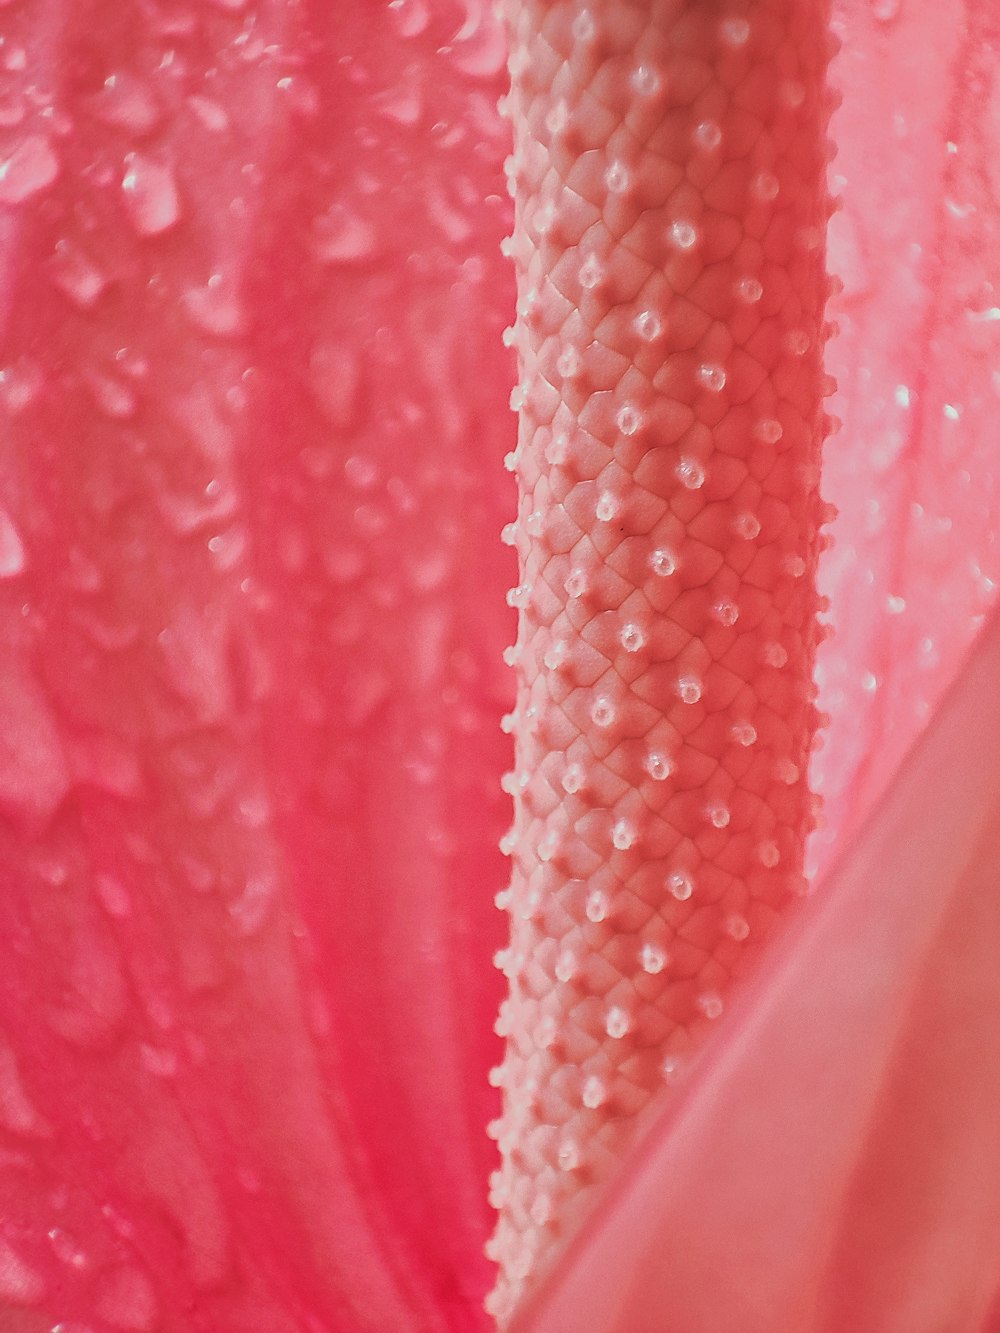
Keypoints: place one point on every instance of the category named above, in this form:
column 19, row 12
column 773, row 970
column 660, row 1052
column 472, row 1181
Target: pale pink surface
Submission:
column 280, row 1179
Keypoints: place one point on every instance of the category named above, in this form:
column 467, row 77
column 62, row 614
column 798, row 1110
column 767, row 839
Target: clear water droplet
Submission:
column 712, row 378
column 617, row 1022
column 735, row 31
column 598, row 907
column 29, row 168
column 617, row 178
column 652, row 959
column 743, row 733
column 765, row 187
column 768, row 430
column 603, row 713
column 718, row 815
column 747, row 526
column 749, row 290
column 737, row 927
column 591, row 273
column 632, row 638
column 608, row 507
column 629, row 419
column 566, row 967
column 645, row 81
column 708, row 135
column 568, row 1155
column 12, row 558
column 594, row 1093
column 568, row 362
column 726, row 613
column 663, row 563
column 710, row 1004
column 577, row 583
column 682, row 235
column 648, row 325
column 623, row 835
column 149, row 190
column 658, row 766
column 680, row 886
column 690, row 474
column 769, row 854
column 573, row 779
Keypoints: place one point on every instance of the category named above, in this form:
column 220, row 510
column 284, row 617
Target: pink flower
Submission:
column 253, row 394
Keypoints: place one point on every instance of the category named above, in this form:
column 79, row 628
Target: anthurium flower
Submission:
column 254, row 401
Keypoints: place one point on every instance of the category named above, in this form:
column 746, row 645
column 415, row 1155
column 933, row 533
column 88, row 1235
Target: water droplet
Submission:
column 710, row 1004
column 648, row 325
column 557, row 450
column 342, row 236
column 76, row 276
column 680, row 886
column 768, row 430
column 769, row 854
column 545, row 1033
column 212, row 115
column 566, row 967
column 216, row 308
column 557, row 117
column 12, row 560
column 645, row 81
column 568, row 362
column 548, row 846
column 617, row 1022
column 519, row 596
column 663, row 563
column 573, row 779
column 658, row 766
column 652, row 959
column 632, row 638
column 568, row 1155
column 31, row 167
column 765, row 187
column 629, row 419
column 150, row 193
column 786, row 771
column 555, row 654
column 792, row 93
column 683, row 235
column 508, row 534
column 795, row 565
column 577, row 583
column 747, row 526
column 603, row 713
column 797, row 342
column 735, row 31
column 743, row 733
column 707, row 135
column 594, row 1093
column 412, row 16
column 712, row 378
column 749, row 290
column 584, row 29
column 774, row 654
column 591, row 272
column 726, row 613
column 737, row 927
column 66, row 1249
column 127, row 103
column 19, row 1283
column 597, row 906
column 690, row 474
column 718, row 815
column 113, row 896
column 617, row 178
column 249, row 911
column 608, row 507
column 895, row 605
column 623, row 835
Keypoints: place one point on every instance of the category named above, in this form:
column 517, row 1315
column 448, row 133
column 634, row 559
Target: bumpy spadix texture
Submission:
column 668, row 176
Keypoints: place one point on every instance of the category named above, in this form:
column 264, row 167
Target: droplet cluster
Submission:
column 669, row 337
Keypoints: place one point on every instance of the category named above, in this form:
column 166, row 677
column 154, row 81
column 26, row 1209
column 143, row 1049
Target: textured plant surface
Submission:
column 669, row 180
column 252, row 416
